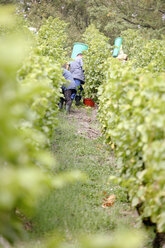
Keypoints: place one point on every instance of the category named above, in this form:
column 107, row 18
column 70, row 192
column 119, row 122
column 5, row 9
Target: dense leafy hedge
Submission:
column 52, row 39
column 144, row 53
column 30, row 79
column 96, row 55
column 21, row 146
column 132, row 114
column 43, row 67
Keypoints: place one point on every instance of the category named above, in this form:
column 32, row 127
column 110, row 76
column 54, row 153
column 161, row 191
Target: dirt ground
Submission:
column 86, row 117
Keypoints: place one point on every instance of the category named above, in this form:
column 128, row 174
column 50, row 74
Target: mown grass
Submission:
column 77, row 208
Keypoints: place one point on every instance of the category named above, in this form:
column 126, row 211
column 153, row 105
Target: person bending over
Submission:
column 69, row 88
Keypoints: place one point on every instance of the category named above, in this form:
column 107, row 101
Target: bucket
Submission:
column 89, row 102
column 78, row 48
column 117, row 45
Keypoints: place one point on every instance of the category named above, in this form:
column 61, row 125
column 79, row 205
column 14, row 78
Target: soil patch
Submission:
column 87, row 124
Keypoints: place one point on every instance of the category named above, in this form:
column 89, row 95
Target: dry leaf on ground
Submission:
column 108, row 201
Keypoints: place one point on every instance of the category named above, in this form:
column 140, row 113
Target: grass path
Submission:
column 77, row 208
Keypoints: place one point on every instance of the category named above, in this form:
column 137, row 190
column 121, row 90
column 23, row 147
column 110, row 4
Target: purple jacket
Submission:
column 70, row 83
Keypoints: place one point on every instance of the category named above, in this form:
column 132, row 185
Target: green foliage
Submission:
column 21, row 147
column 120, row 239
column 133, row 118
column 94, row 58
column 37, row 11
column 52, row 39
column 29, row 92
column 148, row 54
column 43, row 67
column 113, row 16
column 110, row 16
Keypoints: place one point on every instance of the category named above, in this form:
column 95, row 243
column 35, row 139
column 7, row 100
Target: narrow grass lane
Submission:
column 77, row 208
